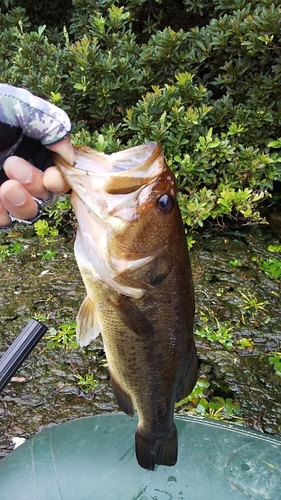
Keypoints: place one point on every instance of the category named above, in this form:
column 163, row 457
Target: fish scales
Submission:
column 132, row 255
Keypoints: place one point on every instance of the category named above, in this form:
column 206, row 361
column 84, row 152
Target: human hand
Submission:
column 26, row 182
column 26, row 116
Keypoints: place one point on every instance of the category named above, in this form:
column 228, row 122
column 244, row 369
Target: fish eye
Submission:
column 165, row 203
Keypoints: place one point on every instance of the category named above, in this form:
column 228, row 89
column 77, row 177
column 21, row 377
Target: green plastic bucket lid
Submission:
column 93, row 458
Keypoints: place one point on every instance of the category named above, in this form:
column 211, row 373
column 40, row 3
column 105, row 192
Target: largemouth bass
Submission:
column 132, row 254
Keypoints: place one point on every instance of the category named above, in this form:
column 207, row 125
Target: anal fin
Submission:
column 187, row 383
column 123, row 399
column 156, row 451
column 88, row 323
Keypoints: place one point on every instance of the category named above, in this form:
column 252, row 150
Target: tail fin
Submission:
column 151, row 451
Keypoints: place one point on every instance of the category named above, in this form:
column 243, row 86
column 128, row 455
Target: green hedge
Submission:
column 203, row 78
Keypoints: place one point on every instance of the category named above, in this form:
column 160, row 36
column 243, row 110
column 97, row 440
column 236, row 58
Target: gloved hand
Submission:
column 29, row 127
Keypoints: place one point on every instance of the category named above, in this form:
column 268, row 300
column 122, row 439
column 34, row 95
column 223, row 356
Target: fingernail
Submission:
column 16, row 168
column 71, row 157
column 16, row 195
column 68, row 153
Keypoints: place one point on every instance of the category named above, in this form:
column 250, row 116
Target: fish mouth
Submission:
column 119, row 173
column 114, row 185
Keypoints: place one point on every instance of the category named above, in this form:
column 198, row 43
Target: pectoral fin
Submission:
column 88, row 323
column 134, row 318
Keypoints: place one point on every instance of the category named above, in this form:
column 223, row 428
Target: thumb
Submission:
column 65, row 149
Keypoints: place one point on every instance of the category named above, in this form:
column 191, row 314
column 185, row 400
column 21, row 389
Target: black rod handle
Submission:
column 19, row 350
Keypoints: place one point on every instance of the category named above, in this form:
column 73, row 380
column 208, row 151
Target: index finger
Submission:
column 30, row 177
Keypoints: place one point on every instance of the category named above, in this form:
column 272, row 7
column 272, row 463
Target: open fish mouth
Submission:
column 114, row 185
column 123, row 171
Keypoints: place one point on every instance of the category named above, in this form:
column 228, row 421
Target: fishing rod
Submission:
column 19, row 350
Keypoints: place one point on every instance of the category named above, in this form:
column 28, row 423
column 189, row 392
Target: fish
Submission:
column 132, row 254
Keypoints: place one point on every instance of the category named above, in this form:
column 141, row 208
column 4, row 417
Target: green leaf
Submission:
column 274, row 144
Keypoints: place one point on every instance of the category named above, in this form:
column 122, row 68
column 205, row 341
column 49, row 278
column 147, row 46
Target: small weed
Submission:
column 218, row 409
column 275, row 360
column 10, row 249
column 57, row 209
column 271, row 266
column 219, row 334
column 197, row 393
column 251, row 304
column 48, row 254
column 63, row 338
column 190, row 242
column 40, row 317
column 235, row 263
column 43, row 229
column 87, row 382
column 274, row 248
column 61, row 212
column 198, row 404
column 245, row 343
